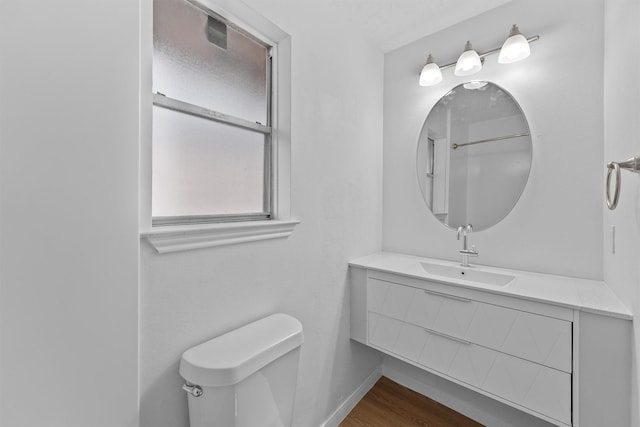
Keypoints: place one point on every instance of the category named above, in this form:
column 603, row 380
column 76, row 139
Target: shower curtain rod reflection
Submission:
column 499, row 138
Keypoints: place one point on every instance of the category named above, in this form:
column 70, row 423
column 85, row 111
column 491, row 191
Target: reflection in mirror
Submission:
column 474, row 156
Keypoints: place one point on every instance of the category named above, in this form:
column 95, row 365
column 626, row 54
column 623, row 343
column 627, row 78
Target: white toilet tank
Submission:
column 246, row 377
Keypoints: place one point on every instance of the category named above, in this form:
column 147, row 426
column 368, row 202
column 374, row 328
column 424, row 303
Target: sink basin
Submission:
column 467, row 273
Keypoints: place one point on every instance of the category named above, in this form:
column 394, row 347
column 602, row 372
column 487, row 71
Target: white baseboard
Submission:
column 352, row 400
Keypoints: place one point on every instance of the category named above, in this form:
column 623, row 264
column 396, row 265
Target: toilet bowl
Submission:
column 246, row 377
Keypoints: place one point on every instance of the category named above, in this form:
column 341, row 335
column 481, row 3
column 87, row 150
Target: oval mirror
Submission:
column 474, row 156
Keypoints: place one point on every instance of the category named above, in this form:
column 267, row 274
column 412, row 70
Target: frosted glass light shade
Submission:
column 468, row 63
column 515, row 48
column 430, row 74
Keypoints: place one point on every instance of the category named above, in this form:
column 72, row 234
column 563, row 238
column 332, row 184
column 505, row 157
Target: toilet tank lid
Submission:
column 230, row 358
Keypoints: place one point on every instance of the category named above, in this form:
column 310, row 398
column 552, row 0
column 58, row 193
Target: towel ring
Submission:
column 613, row 166
column 632, row 165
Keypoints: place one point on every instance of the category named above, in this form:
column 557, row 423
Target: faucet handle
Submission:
column 461, row 230
column 470, row 252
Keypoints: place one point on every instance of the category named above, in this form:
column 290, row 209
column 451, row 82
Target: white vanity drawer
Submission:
column 536, row 338
column 530, row 385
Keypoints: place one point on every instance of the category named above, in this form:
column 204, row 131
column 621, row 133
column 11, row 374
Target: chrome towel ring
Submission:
column 632, row 165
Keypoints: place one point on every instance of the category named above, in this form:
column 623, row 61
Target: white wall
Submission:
column 69, row 213
column 189, row 297
column 556, row 226
column 622, row 140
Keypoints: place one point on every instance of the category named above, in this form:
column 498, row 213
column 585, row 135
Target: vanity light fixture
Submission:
column 514, row 49
column 430, row 74
column 469, row 62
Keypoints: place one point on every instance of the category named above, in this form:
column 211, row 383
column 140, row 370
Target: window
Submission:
column 215, row 163
column 211, row 118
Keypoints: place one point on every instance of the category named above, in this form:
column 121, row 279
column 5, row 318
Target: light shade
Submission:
column 430, row 74
column 469, row 62
column 515, row 48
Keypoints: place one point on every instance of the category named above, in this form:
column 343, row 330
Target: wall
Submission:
column 561, row 94
column 69, row 213
column 190, row 297
column 556, row 227
column 621, row 136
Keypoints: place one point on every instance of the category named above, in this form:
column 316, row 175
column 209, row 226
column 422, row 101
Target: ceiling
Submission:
column 390, row 24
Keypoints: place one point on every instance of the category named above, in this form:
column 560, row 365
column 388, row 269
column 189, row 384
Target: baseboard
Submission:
column 352, row 400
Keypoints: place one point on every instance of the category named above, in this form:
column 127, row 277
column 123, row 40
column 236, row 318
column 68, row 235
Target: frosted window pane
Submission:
column 186, row 66
column 201, row 167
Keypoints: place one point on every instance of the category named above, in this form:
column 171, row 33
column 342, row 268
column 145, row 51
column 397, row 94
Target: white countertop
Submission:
column 581, row 294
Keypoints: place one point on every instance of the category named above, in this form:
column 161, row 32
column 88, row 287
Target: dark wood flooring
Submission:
column 388, row 404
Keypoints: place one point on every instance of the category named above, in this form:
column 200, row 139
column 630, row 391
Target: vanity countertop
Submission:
column 581, row 294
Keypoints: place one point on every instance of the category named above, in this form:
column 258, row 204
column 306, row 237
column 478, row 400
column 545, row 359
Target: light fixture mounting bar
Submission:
column 490, row 52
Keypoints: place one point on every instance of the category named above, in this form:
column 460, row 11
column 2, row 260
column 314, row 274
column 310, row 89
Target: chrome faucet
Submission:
column 466, row 252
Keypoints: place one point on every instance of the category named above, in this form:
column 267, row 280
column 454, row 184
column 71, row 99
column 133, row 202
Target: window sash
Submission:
column 163, row 101
column 209, row 219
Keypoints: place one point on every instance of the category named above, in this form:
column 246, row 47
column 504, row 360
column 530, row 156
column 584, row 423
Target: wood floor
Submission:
column 389, row 404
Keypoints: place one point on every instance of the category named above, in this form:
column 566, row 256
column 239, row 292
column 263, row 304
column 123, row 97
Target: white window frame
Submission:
column 171, row 238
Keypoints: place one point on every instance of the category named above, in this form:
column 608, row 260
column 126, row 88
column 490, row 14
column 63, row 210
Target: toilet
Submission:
column 246, row 377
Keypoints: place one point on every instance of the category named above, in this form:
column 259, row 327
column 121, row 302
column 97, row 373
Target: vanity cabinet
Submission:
column 537, row 338
column 521, row 357
column 520, row 351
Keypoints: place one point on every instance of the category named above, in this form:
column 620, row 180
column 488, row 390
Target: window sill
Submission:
column 187, row 237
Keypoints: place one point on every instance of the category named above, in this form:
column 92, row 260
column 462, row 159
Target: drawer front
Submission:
column 533, row 337
column 530, row 385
